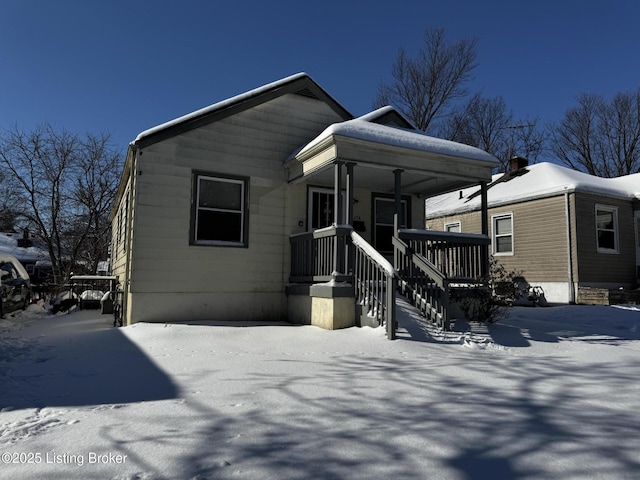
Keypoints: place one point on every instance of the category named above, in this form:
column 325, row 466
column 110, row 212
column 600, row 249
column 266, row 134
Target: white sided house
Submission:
column 279, row 205
column 566, row 231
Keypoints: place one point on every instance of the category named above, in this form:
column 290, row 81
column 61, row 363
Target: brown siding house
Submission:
column 561, row 228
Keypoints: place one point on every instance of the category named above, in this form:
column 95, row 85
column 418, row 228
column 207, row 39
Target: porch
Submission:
column 337, row 277
column 427, row 266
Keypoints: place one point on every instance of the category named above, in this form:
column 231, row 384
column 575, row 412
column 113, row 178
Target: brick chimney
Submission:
column 25, row 241
column 516, row 163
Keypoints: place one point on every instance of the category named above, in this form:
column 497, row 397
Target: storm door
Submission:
column 383, row 211
column 321, row 208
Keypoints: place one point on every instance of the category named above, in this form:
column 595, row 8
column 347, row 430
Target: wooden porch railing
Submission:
column 320, row 255
column 375, row 282
column 325, row 254
column 429, row 263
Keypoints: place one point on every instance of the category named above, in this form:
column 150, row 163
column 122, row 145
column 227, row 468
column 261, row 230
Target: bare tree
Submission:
column 486, row 123
column 424, row 86
column 9, row 201
column 599, row 137
column 67, row 186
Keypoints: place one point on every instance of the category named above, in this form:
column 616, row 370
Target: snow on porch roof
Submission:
column 362, row 129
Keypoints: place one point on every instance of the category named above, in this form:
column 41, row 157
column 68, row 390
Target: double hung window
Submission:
column 220, row 213
column 607, row 229
column 502, row 230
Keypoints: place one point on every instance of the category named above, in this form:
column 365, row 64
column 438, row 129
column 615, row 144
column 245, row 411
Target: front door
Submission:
column 383, row 211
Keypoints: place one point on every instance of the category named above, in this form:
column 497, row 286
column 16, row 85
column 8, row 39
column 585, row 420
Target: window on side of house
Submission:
column 220, row 210
column 606, row 229
column 455, row 227
column 502, row 234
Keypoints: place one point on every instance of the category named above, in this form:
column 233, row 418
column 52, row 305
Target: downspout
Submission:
column 572, row 298
column 129, row 246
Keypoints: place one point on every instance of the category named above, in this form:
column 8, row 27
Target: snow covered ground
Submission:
column 549, row 393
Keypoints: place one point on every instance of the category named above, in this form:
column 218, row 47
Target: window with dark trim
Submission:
column 454, row 227
column 607, row 229
column 220, row 210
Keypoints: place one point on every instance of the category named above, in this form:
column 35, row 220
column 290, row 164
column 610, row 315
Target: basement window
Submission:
column 220, row 211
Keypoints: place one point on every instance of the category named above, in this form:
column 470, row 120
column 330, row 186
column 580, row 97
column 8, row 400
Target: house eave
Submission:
column 301, row 84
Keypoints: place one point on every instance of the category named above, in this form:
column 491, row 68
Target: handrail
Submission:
column 421, row 262
column 375, row 283
column 338, row 253
column 422, row 283
column 430, row 262
column 461, row 257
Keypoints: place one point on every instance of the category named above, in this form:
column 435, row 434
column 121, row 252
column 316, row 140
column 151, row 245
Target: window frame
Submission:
column 310, row 204
column 495, row 236
column 615, row 230
column 453, row 223
column 195, row 209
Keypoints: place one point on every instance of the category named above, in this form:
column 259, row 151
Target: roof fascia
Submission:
column 298, row 85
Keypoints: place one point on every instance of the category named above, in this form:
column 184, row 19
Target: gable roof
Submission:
column 388, row 116
column 300, row 84
column 536, row 181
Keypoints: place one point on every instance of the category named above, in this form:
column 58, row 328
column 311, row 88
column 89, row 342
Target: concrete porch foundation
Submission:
column 329, row 306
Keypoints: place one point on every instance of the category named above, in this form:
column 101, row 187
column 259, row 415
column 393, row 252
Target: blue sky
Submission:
column 122, row 66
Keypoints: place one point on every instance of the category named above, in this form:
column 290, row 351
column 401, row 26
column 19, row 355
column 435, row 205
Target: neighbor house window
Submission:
column 452, row 227
column 607, row 229
column 502, row 226
column 220, row 213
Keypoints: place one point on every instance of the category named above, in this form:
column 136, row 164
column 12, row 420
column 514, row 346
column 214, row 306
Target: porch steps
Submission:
column 426, row 308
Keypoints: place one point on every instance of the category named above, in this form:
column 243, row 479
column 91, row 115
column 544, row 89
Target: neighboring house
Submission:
column 562, row 228
column 33, row 257
column 211, row 206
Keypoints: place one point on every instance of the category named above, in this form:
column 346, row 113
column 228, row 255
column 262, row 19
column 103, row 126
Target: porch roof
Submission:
column 430, row 165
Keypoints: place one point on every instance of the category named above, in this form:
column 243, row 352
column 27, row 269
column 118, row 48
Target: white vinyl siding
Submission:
column 606, row 229
column 502, row 238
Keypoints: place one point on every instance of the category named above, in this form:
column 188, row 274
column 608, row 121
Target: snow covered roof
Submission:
column 362, row 129
column 389, row 116
column 306, row 85
column 536, row 181
column 9, row 246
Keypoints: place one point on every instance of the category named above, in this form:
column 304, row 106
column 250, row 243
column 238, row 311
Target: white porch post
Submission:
column 349, row 216
column 337, row 191
column 349, row 195
column 339, row 250
column 397, row 191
